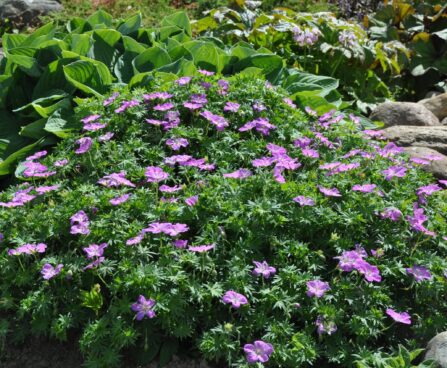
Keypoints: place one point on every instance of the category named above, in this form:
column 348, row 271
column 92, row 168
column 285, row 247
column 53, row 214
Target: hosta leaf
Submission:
column 179, row 19
column 130, row 25
column 152, row 58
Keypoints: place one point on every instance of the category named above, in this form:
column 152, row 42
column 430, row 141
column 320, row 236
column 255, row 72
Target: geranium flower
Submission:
column 106, row 137
column 79, row 223
column 205, row 72
column 219, row 121
column 302, row 142
column 324, row 326
column 191, row 201
column 304, row 201
column 110, row 100
column 84, row 145
column 201, row 248
column 183, row 81
column 116, row 180
column 394, row 171
column 144, row 308
column 119, row 200
column 61, row 163
column 48, row 271
column 164, row 107
column 28, row 249
column 125, row 105
column 47, row 188
column 136, row 240
column 370, row 272
column 36, row 170
column 177, row 143
column 168, row 189
column 157, row 95
column 261, row 125
column 37, row 155
column 239, row 174
column 259, row 351
column 329, row 192
column 349, row 260
column 235, row 299
column 365, row 188
column 231, row 107
column 403, row 317
column 420, row 273
column 308, row 152
column 95, row 250
column 179, row 243
column 317, row 288
column 155, row 174
column 289, row 102
column 263, row 268
column 391, row 213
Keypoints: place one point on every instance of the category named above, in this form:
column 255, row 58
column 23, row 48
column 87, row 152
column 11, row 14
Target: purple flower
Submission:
column 106, row 137
column 420, row 273
column 325, row 327
column 177, row 143
column 157, row 122
column 205, row 72
column 232, row 106
column 261, row 125
column 61, row 163
column 262, row 268
column 116, row 180
column 164, row 107
column 302, row 142
column 391, row 213
column 370, row 272
column 136, row 240
column 143, row 308
column 403, row 317
column 259, row 107
column 93, row 127
column 365, row 188
column 219, row 121
column 306, row 36
column 235, row 299
column 394, row 171
column 155, row 174
column 157, row 95
column 110, row 100
column 417, row 220
column 192, row 105
column 90, row 118
column 20, row 198
column 317, row 288
column 125, row 105
column 239, row 174
column 36, row 169
column 179, row 243
column 263, row 161
column 168, row 189
column 349, row 260
column 333, row 192
column 47, row 188
column 259, row 351
column 80, row 223
column 28, row 249
column 95, row 250
column 304, row 201
column 443, row 182
column 95, row 263
column 183, row 81
column 37, row 155
column 48, row 271
column 289, row 102
column 2, row 237
column 428, row 190
column 310, row 153
column 201, row 248
column 84, row 145
column 119, row 200
column 166, row 228
column 177, row 159
column 223, row 86
column 391, row 149
column 191, row 201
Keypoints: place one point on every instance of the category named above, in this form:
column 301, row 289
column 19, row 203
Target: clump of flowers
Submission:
column 218, row 214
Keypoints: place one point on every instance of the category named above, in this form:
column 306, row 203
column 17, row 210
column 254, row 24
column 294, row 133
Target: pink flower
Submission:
column 394, row 171
column 239, row 174
column 95, row 250
column 317, row 288
column 219, row 121
column 110, row 100
column 235, row 299
column 183, row 81
column 391, row 213
column 119, row 200
column 168, row 189
column 61, row 163
column 36, row 155
column 365, row 188
column 191, row 201
column 136, row 240
column 46, row 189
column 155, row 174
column 28, row 249
column 231, row 107
column 48, row 271
column 370, row 272
column 324, row 326
column 157, row 95
column 90, row 118
column 179, row 243
column 116, row 180
column 420, row 273
column 304, row 201
column 259, row 351
column 106, row 137
column 263, row 268
column 329, row 192
column 205, row 72
column 403, row 317
column 143, row 308
column 125, row 105
column 289, row 102
column 201, row 248
column 84, row 145
column 177, row 143
column 164, row 107
column 310, row 153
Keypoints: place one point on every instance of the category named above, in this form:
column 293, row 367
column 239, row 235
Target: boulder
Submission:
column 444, row 121
column 434, row 137
column 404, row 113
column 437, row 167
column 26, row 12
column 437, row 105
column 437, row 349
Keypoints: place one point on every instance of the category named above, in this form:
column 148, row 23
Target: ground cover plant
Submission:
column 214, row 215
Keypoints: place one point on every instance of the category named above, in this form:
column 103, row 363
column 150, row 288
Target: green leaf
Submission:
column 92, row 299
column 12, row 40
column 130, row 25
column 301, row 81
column 167, row 351
column 100, row 18
column 90, row 77
column 6, row 81
column 45, row 106
column 61, row 123
column 141, row 79
column 53, row 80
column 24, row 58
column 267, row 62
column 153, row 58
column 205, row 55
column 179, row 19
column 181, row 67
column 104, row 48
column 34, row 130
column 80, row 43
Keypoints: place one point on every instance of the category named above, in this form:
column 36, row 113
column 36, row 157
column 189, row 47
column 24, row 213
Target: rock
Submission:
column 444, row 121
column 437, row 349
column 404, row 113
column 26, row 12
column 430, row 94
column 434, row 137
column 437, row 167
column 437, row 105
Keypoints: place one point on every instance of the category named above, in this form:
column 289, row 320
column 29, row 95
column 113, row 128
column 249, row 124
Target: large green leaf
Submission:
column 53, row 79
column 6, row 81
column 153, row 58
column 91, row 78
column 80, row 43
column 130, row 25
column 100, row 18
column 181, row 67
column 24, row 58
column 34, row 130
column 205, row 55
column 267, row 62
column 12, row 40
column 301, row 81
column 61, row 123
column 47, row 105
column 179, row 19
column 104, row 48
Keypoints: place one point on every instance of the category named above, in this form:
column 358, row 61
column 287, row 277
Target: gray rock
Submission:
column 404, row 113
column 437, row 349
column 434, row 137
column 437, row 105
column 26, row 12
column 430, row 94
column 438, row 168
column 444, row 121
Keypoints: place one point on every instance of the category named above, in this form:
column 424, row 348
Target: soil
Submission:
column 43, row 353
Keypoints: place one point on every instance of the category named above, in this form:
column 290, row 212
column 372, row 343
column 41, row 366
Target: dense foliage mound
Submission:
column 215, row 215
